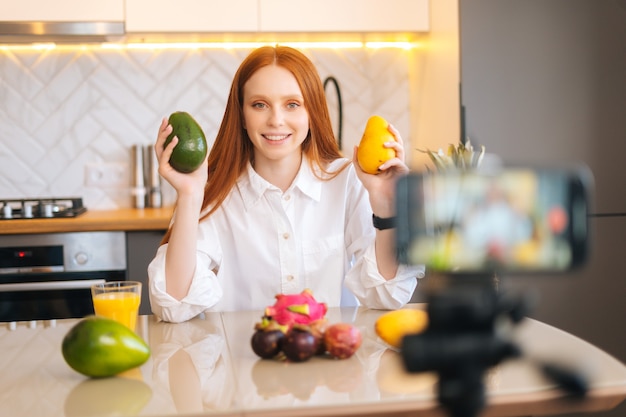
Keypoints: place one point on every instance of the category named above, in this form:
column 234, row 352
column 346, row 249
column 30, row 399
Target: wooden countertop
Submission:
column 206, row 367
column 126, row 219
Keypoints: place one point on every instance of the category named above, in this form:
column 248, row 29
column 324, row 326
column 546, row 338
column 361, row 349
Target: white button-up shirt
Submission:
column 262, row 242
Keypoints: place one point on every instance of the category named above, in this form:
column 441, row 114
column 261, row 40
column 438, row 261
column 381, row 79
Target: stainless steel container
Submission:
column 138, row 187
column 153, row 177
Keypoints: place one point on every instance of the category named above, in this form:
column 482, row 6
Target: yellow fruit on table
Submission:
column 392, row 326
column 371, row 152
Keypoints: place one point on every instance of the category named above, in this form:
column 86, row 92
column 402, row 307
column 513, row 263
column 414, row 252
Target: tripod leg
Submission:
column 462, row 393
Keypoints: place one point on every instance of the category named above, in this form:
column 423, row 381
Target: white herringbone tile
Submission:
column 63, row 110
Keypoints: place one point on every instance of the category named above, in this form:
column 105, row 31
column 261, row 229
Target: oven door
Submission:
column 46, row 296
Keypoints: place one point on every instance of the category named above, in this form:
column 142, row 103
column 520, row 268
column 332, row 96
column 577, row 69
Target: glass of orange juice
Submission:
column 117, row 300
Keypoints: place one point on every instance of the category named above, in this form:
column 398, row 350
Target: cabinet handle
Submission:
column 51, row 285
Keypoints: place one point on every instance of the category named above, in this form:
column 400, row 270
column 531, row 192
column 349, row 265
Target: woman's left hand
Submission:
column 382, row 186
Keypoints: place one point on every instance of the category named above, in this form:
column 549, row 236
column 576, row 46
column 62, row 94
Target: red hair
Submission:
column 232, row 150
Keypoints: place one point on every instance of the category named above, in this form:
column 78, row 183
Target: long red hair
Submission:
column 232, row 150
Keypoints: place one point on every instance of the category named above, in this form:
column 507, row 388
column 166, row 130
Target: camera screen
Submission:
column 513, row 220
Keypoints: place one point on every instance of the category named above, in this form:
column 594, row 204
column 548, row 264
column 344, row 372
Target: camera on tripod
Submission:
column 468, row 226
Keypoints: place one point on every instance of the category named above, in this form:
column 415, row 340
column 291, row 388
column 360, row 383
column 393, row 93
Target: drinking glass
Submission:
column 117, row 300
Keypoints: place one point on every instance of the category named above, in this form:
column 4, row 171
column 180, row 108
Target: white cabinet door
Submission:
column 62, row 10
column 344, row 16
column 185, row 16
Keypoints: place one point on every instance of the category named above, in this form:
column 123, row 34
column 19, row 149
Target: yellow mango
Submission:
column 371, row 152
column 392, row 326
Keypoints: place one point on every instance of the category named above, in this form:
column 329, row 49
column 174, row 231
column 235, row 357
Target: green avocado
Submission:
column 191, row 149
column 99, row 347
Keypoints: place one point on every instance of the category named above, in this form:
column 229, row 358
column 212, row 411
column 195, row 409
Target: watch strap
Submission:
column 383, row 223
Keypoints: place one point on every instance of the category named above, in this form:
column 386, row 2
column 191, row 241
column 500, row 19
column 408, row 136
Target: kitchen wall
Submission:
column 543, row 83
column 67, row 113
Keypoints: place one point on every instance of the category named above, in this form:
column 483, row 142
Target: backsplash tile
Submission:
column 62, row 110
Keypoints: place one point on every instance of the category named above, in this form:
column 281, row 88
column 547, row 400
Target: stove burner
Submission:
column 41, row 208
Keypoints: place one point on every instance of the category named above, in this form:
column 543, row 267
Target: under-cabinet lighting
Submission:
column 252, row 45
column 211, row 45
column 43, row 46
column 401, row 45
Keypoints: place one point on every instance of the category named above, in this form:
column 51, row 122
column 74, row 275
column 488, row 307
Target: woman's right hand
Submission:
column 184, row 183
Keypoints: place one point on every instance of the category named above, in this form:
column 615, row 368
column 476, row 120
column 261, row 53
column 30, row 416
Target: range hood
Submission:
column 60, row 32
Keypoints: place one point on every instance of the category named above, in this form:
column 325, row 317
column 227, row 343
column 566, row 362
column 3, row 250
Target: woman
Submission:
column 276, row 208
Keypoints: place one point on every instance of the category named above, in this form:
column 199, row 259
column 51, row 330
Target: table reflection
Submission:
column 124, row 395
column 189, row 366
column 270, row 383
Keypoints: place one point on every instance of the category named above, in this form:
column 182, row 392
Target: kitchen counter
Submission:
column 205, row 367
column 127, row 219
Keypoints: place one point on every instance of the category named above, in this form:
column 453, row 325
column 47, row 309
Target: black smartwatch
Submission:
column 383, row 223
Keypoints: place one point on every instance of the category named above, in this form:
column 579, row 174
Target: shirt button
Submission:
column 289, row 277
column 285, row 235
column 287, row 197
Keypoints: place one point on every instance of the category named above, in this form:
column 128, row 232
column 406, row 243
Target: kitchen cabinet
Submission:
column 184, row 16
column 344, row 16
column 141, row 248
column 62, row 10
column 276, row 16
column 234, row 16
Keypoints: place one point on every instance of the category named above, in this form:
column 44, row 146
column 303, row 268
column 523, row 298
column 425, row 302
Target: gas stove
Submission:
column 41, row 208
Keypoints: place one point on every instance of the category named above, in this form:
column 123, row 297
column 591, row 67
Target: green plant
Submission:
column 459, row 157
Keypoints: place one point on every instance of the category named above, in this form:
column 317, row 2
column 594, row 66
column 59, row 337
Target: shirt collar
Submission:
column 252, row 186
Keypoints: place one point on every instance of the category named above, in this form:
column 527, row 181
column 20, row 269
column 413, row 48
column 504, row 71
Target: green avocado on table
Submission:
column 191, row 149
column 98, row 347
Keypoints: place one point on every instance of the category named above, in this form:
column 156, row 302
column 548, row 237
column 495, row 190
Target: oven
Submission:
column 48, row 276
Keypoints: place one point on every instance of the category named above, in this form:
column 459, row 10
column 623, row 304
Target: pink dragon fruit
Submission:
column 292, row 309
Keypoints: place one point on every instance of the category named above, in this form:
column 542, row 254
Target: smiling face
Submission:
column 274, row 114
